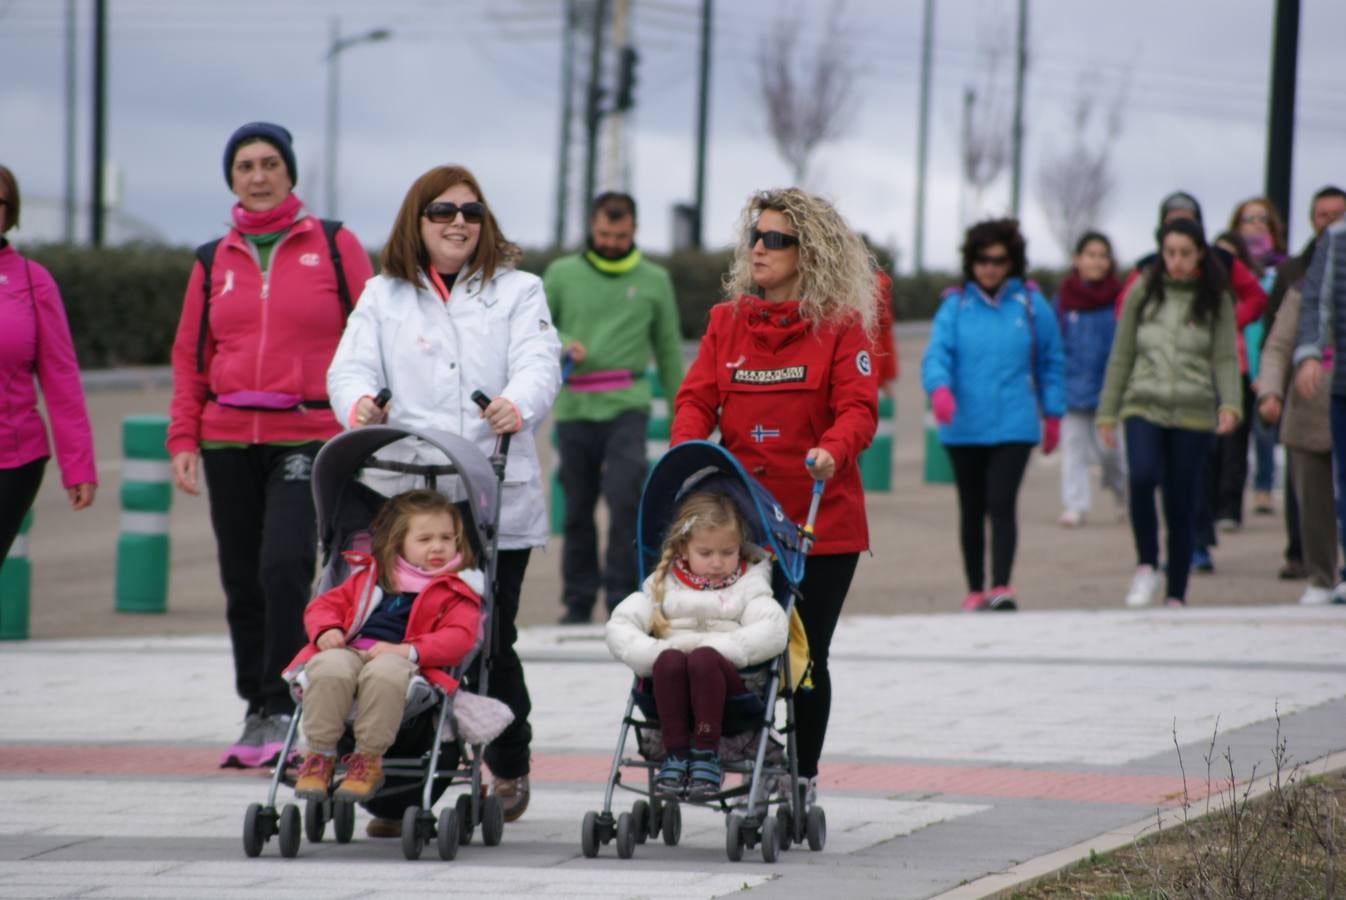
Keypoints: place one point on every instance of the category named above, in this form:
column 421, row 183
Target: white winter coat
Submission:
column 495, row 336
column 742, row 622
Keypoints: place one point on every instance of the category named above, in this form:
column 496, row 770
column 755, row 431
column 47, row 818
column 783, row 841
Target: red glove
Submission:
column 1051, row 435
column 942, row 405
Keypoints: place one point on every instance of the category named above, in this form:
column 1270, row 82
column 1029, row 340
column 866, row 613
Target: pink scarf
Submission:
column 413, row 578
column 282, row 215
column 684, row 573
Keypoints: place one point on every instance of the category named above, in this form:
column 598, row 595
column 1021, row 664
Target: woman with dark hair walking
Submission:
column 1172, row 380
column 994, row 372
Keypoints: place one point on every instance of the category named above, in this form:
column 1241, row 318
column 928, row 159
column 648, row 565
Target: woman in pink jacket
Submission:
column 35, row 341
column 258, row 329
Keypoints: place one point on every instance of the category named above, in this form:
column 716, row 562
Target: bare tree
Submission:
column 808, row 99
column 1076, row 182
column 987, row 118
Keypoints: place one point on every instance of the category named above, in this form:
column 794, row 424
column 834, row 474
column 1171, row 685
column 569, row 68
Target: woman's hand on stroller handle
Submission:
column 371, row 410
column 500, row 413
column 820, row 464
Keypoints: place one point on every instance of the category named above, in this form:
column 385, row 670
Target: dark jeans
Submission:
column 1339, row 461
column 826, row 581
column 1264, row 439
column 689, row 692
column 18, row 488
column 261, row 507
column 1294, row 547
column 988, row 478
column 1169, row 459
column 508, row 754
column 1207, row 490
column 606, row 458
column 1232, row 475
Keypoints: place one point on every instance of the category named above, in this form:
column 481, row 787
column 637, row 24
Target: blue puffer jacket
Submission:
column 982, row 351
column 1087, row 337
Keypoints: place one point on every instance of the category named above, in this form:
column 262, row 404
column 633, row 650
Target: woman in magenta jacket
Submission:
column 250, row 407
column 35, row 342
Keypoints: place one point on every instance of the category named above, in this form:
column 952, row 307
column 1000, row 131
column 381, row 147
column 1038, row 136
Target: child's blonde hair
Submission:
column 393, row 521
column 702, row 510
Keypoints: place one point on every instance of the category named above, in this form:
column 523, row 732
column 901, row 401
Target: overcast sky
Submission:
column 477, row 82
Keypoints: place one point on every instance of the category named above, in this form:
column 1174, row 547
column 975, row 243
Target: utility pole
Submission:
column 1281, row 115
column 567, row 117
column 702, row 118
column 335, row 47
column 969, row 101
column 923, row 136
column 593, row 110
column 613, row 177
column 71, row 73
column 1020, row 70
column 99, row 121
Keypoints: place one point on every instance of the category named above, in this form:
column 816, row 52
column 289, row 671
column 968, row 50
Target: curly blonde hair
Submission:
column 836, row 270
column 701, row 510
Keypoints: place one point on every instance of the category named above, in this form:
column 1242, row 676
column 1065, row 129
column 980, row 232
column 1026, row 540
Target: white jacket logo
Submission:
column 310, row 259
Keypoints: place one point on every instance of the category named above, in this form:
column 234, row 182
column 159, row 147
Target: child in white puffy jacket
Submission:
column 704, row 613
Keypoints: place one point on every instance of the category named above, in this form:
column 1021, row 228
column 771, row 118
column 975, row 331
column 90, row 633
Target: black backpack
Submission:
column 205, row 254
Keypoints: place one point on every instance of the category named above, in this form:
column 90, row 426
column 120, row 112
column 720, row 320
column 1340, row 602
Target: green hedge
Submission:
column 123, row 303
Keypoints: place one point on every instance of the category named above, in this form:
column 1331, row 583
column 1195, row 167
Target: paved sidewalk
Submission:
column 960, row 746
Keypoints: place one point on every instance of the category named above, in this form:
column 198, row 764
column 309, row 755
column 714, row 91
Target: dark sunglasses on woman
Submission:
column 443, row 213
column 772, row 240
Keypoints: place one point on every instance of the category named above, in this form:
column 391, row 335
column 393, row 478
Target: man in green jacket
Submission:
column 613, row 309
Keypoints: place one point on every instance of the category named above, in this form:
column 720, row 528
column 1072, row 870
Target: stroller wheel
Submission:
column 640, row 811
column 448, row 834
column 733, row 837
column 816, row 828
column 626, row 835
column 463, row 808
column 588, row 835
column 770, row 839
column 492, row 820
column 315, row 822
column 255, row 831
column 672, row 824
column 656, row 815
column 412, row 838
column 784, row 827
column 343, row 821
column 289, row 831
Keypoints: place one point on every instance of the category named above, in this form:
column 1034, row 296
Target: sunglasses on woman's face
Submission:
column 772, row 240
column 1254, row 219
column 984, row 260
column 443, row 213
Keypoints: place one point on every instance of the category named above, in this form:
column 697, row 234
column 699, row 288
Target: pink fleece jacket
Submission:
column 35, row 341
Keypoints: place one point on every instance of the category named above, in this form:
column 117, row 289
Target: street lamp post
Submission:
column 334, row 48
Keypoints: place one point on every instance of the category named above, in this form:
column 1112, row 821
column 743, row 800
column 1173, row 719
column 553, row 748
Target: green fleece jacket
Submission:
column 1167, row 368
column 621, row 318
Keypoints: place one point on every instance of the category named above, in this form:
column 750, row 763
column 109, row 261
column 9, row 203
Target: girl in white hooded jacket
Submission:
column 704, row 613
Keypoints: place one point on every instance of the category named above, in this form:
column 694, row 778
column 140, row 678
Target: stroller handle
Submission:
column 816, row 499
column 501, row 440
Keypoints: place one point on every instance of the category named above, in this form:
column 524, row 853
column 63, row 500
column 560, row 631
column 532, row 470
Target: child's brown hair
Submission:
column 393, row 521
column 701, row 510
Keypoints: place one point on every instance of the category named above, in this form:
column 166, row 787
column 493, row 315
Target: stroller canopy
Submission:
column 703, row 466
column 341, row 500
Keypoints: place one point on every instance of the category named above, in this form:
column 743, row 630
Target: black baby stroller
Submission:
column 770, row 777
column 421, row 764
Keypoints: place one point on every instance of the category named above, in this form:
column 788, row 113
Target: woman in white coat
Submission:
column 450, row 315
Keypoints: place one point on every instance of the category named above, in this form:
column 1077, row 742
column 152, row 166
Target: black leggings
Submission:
column 988, row 479
column 18, row 488
column 508, row 754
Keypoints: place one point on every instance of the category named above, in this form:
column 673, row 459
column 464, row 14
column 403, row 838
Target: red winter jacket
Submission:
column 777, row 387
column 272, row 333
column 442, row 625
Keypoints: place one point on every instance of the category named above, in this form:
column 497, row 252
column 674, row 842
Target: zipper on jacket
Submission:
column 261, row 340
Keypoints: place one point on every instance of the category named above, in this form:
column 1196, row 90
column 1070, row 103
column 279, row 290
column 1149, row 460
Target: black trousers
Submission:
column 988, row 478
column 606, row 458
column 827, row 579
column 18, row 489
column 261, row 507
column 508, row 754
column 1232, row 463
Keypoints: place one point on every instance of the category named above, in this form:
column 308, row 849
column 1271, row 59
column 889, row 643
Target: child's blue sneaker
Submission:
column 671, row 779
column 1201, row 561
column 705, row 775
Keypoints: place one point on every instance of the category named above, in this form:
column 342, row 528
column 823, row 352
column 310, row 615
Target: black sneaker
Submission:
column 574, row 616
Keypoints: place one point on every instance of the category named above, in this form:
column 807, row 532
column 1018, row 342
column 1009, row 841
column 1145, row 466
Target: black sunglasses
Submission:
column 443, row 213
column 772, row 240
column 991, row 260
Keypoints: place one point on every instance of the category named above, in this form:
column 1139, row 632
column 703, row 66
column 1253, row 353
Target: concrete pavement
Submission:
column 960, row 746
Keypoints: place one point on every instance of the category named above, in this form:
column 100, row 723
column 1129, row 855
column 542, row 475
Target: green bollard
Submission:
column 660, row 426
column 938, row 468
column 876, row 463
column 556, row 519
column 16, row 582
column 147, row 493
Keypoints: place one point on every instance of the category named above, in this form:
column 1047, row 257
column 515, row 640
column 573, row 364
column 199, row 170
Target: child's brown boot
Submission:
column 364, row 776
column 315, row 777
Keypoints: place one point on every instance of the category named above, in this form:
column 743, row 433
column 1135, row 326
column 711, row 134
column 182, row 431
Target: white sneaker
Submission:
column 1071, row 519
column 1143, row 586
column 1315, row 596
column 1339, row 593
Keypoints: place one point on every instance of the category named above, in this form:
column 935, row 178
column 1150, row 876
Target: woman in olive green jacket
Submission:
column 1173, row 382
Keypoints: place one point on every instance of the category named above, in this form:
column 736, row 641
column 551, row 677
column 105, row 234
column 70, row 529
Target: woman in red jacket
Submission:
column 258, row 331
column 786, row 372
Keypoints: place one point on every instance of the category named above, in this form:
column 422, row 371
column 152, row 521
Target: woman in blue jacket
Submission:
column 992, row 369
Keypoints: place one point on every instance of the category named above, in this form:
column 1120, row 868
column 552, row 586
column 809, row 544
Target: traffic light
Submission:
column 626, row 78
